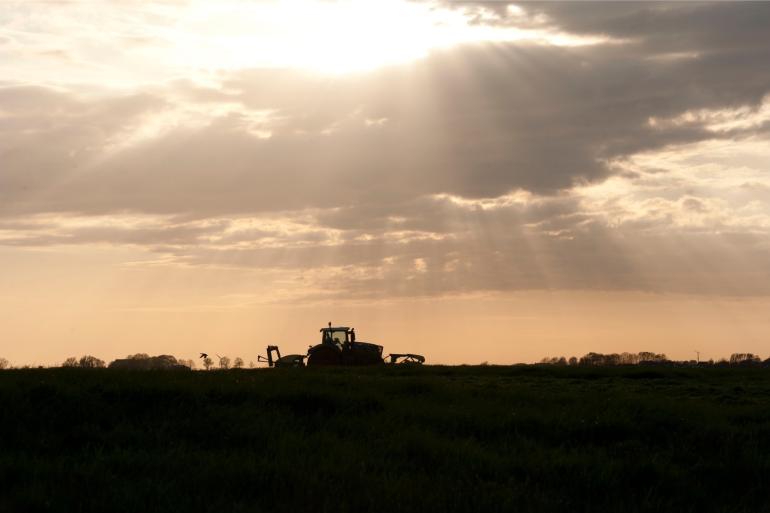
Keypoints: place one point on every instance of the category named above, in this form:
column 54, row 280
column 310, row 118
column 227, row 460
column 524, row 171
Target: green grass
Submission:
column 524, row 438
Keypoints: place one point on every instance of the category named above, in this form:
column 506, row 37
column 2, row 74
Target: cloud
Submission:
column 494, row 166
column 449, row 245
column 670, row 28
column 661, row 27
column 473, row 122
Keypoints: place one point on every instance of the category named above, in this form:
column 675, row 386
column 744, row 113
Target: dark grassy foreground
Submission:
column 392, row 439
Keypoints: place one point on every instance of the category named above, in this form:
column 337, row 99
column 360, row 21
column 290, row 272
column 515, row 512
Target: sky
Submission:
column 473, row 181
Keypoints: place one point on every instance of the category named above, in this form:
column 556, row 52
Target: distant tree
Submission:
column 138, row 356
column 165, row 360
column 554, row 360
column 629, row 359
column 3, row 364
column 70, row 362
column 592, row 359
column 224, row 362
column 251, row 364
column 160, row 362
column 208, row 362
column 190, row 363
column 90, row 362
column 645, row 356
column 573, row 360
column 744, row 359
column 238, row 362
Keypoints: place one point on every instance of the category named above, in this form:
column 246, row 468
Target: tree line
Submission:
column 650, row 358
column 143, row 361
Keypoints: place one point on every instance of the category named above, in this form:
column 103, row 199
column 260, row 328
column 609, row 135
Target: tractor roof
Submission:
column 338, row 328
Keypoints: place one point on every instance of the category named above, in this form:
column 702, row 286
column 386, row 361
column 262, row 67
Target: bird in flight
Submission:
column 204, row 355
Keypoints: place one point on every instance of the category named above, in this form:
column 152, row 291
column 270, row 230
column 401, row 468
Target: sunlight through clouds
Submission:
column 163, row 40
column 256, row 156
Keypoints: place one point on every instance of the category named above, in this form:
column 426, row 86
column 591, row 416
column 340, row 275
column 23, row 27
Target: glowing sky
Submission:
column 474, row 181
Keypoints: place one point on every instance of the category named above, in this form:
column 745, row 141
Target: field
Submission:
column 522, row 438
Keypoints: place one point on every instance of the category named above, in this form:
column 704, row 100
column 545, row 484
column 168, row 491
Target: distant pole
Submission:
column 697, row 353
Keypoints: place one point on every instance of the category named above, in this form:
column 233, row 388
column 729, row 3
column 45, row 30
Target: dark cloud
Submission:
column 656, row 27
column 703, row 27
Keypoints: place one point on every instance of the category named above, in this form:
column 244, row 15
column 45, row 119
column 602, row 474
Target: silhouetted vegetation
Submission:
column 89, row 362
column 745, row 359
column 143, row 361
column 648, row 358
column 138, row 361
column 85, row 362
column 488, row 438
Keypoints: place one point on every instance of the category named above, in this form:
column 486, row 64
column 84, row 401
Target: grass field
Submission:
column 523, row 438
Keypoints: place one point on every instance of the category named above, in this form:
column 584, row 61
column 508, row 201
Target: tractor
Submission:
column 339, row 346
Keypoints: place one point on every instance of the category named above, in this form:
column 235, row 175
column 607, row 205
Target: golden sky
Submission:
column 474, row 181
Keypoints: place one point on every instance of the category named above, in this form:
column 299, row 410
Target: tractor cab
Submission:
column 340, row 336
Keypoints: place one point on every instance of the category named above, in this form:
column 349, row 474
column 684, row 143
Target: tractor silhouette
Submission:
column 338, row 346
